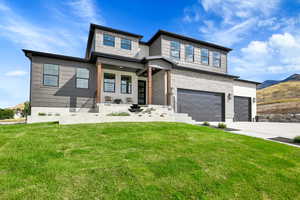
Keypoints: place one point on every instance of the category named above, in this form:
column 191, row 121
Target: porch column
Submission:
column 169, row 92
column 99, row 82
column 149, row 85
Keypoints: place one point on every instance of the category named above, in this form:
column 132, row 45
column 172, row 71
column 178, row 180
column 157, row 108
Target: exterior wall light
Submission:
column 254, row 99
column 229, row 96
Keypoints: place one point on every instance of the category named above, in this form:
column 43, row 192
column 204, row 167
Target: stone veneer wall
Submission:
column 279, row 118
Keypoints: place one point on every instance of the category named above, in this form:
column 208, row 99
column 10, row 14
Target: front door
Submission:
column 141, row 92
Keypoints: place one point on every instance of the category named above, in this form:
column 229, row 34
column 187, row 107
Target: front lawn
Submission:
column 143, row 161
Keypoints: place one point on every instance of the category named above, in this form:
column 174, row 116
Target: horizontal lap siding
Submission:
column 66, row 94
column 197, row 55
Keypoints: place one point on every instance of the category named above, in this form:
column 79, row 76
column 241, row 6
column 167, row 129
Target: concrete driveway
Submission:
column 266, row 129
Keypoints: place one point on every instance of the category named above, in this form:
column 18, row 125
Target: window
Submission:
column 126, row 44
column 109, row 40
column 82, row 78
column 216, row 59
column 175, row 49
column 109, row 82
column 204, row 56
column 50, row 75
column 126, row 84
column 189, row 53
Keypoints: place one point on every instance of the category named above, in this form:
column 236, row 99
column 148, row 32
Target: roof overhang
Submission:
column 247, row 81
column 175, row 35
column 30, row 53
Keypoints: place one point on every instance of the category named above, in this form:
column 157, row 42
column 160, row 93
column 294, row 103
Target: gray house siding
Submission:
column 165, row 45
column 66, row 94
column 159, row 88
column 155, row 48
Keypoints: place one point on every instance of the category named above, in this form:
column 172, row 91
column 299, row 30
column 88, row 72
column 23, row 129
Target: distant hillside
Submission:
column 281, row 98
column 19, row 106
column 268, row 83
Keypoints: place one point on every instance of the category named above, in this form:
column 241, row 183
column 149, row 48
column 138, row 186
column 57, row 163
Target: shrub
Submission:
column 297, row 139
column 26, row 110
column 222, row 125
column 119, row 114
column 42, row 114
column 206, row 124
column 118, row 101
column 6, row 114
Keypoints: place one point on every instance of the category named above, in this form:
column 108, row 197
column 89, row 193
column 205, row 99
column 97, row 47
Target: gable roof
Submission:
column 183, row 37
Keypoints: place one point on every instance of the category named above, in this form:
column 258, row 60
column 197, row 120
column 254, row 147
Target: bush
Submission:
column 6, row 114
column 297, row 139
column 206, row 124
column 41, row 114
column 222, row 125
column 26, row 110
column 119, row 114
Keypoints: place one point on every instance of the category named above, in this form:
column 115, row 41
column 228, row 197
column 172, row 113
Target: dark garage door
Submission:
column 242, row 109
column 200, row 105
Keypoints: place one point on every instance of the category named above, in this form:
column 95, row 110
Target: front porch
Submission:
column 147, row 83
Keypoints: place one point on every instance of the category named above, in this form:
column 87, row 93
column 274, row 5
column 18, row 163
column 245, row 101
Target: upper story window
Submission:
column 175, row 50
column 126, row 44
column 216, row 59
column 109, row 40
column 204, row 56
column 109, row 82
column 50, row 75
column 189, row 53
column 82, row 78
column 126, row 85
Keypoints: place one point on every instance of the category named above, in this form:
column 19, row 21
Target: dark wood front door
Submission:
column 141, row 92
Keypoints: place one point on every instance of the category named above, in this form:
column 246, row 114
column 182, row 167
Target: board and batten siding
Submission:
column 183, row 79
column 66, row 94
column 165, row 45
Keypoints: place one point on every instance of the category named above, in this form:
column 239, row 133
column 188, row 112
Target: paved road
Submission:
column 267, row 129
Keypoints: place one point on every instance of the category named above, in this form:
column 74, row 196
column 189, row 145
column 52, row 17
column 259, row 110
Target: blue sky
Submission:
column 265, row 34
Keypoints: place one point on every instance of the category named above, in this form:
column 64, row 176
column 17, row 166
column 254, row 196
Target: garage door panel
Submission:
column 200, row 105
column 242, row 108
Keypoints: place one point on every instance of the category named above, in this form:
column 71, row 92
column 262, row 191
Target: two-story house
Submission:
column 188, row 75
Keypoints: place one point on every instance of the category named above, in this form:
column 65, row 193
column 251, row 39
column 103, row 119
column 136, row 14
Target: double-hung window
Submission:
column 82, row 78
column 50, row 75
column 189, row 53
column 216, row 59
column 126, row 84
column 108, row 40
column 204, row 56
column 109, row 82
column 175, row 50
column 126, row 44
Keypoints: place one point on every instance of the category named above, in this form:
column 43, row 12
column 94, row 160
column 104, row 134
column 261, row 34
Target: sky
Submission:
column 264, row 34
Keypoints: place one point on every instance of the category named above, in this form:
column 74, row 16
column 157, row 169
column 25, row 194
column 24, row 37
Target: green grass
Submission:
column 143, row 161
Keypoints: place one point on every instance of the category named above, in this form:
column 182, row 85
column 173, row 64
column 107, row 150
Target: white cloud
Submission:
column 16, row 73
column 231, row 10
column 236, row 19
column 226, row 36
column 279, row 54
column 86, row 10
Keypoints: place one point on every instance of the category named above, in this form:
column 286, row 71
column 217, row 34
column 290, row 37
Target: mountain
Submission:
column 268, row 83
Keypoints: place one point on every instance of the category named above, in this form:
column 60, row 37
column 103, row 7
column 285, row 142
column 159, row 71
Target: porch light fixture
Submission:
column 229, row 96
column 121, row 67
column 254, row 99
